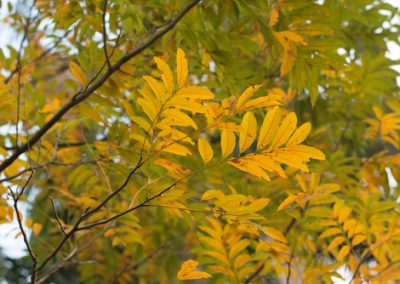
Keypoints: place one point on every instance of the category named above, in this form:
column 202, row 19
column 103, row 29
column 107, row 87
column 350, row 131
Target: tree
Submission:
column 231, row 141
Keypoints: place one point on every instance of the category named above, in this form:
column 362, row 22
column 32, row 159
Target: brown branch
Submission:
column 67, row 260
column 104, row 23
column 91, row 88
column 86, row 215
column 142, row 204
column 360, row 263
column 56, row 214
column 254, row 274
column 16, row 197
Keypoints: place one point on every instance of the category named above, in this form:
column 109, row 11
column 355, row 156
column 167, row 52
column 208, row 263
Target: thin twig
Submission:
column 57, row 218
column 105, row 33
column 358, row 267
column 16, row 197
column 98, row 163
column 86, row 215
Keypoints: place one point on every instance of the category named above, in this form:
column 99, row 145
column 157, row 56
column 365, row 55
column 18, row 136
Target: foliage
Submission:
column 231, row 141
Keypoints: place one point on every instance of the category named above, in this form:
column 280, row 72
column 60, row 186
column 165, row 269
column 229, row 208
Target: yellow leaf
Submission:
column 330, row 232
column 344, row 214
column 336, row 242
column 275, row 234
column 293, row 37
column 248, row 131
column 306, row 152
column 187, row 271
column 291, row 160
column 215, row 244
column 249, row 167
column 289, row 200
column 288, row 59
column 28, row 223
column 78, row 73
column 260, row 203
column 358, row 240
column 171, row 166
column 186, row 104
column 36, row 228
column 241, row 260
column 205, row 150
column 265, row 162
column 174, row 148
column 149, row 108
column 166, row 76
column 176, row 117
column 299, row 135
column 238, row 247
column 261, row 102
column 195, row 92
column 246, row 95
column 212, row 193
column 269, row 127
column 157, row 88
column 181, row 68
column 274, row 16
column 344, row 251
column 285, row 130
column 228, row 142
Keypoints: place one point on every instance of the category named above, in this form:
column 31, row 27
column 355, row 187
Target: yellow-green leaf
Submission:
column 246, row 95
column 285, row 130
column 248, row 131
column 269, row 127
column 78, row 73
column 166, row 76
column 275, row 234
column 195, row 92
column 228, row 141
column 205, row 150
column 299, row 135
column 288, row 200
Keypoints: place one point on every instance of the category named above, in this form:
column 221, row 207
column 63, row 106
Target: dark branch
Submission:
column 16, row 197
column 105, row 33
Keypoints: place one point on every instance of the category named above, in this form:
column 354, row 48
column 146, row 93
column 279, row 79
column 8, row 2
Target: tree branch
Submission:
column 16, row 197
column 84, row 93
column 105, row 33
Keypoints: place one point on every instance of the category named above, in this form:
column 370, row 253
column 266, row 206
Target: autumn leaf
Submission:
column 182, row 68
column 187, row 271
column 205, row 150
column 248, row 131
column 78, row 73
column 228, row 142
